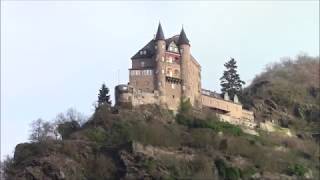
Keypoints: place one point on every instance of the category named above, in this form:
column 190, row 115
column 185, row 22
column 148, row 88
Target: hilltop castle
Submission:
column 164, row 71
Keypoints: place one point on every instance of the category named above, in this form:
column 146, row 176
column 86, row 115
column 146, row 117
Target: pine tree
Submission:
column 104, row 97
column 230, row 81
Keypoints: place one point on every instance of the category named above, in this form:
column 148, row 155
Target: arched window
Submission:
column 169, row 71
column 176, row 72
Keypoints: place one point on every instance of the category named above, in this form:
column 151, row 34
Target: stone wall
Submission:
column 143, row 63
column 142, row 79
column 231, row 109
column 173, row 95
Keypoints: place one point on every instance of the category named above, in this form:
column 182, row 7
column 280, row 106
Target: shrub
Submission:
column 226, row 172
column 297, row 169
column 149, row 164
column 248, row 172
column 201, row 138
column 96, row 134
column 66, row 128
column 232, row 173
column 213, row 124
column 185, row 106
column 7, row 166
column 198, row 168
column 221, row 166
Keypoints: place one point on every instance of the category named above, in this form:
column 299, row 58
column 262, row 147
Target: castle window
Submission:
column 169, row 72
column 176, row 72
column 172, row 86
column 162, row 71
column 142, row 63
column 141, row 52
column 172, row 96
column 162, row 59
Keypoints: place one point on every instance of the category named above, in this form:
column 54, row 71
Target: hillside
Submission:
column 287, row 93
column 150, row 142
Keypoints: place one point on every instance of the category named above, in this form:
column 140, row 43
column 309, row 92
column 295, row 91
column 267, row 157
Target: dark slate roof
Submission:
column 160, row 35
column 183, row 38
column 149, row 49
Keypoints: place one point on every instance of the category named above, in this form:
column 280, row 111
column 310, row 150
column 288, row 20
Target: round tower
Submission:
column 184, row 48
column 160, row 77
column 190, row 72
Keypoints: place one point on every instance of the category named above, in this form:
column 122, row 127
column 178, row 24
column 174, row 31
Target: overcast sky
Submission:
column 55, row 55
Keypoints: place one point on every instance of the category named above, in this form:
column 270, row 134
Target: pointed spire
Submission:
column 183, row 38
column 159, row 35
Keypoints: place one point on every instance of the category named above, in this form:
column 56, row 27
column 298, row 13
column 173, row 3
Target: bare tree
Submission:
column 6, row 167
column 71, row 115
column 41, row 130
column 68, row 122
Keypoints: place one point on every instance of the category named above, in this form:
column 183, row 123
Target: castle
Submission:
column 164, row 72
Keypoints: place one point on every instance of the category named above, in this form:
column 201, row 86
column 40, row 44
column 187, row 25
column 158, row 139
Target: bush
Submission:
column 232, row 173
column 185, row 106
column 97, row 135
column 297, row 169
column 66, row 128
column 211, row 123
column 7, row 166
column 198, row 168
column 226, row 172
column 221, row 166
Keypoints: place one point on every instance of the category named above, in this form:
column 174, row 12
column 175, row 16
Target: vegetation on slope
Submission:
column 287, row 93
column 149, row 142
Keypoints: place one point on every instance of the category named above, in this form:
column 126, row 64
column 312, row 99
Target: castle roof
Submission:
column 183, row 38
column 159, row 35
column 149, row 49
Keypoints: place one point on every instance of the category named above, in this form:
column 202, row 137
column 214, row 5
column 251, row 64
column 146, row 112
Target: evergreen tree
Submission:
column 104, row 97
column 230, row 81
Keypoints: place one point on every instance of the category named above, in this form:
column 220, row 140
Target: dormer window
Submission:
column 143, row 52
column 172, row 47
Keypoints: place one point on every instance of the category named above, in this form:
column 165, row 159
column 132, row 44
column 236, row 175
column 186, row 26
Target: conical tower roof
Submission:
column 183, row 38
column 159, row 35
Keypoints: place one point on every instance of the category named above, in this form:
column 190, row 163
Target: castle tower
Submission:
column 160, row 46
column 190, row 72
